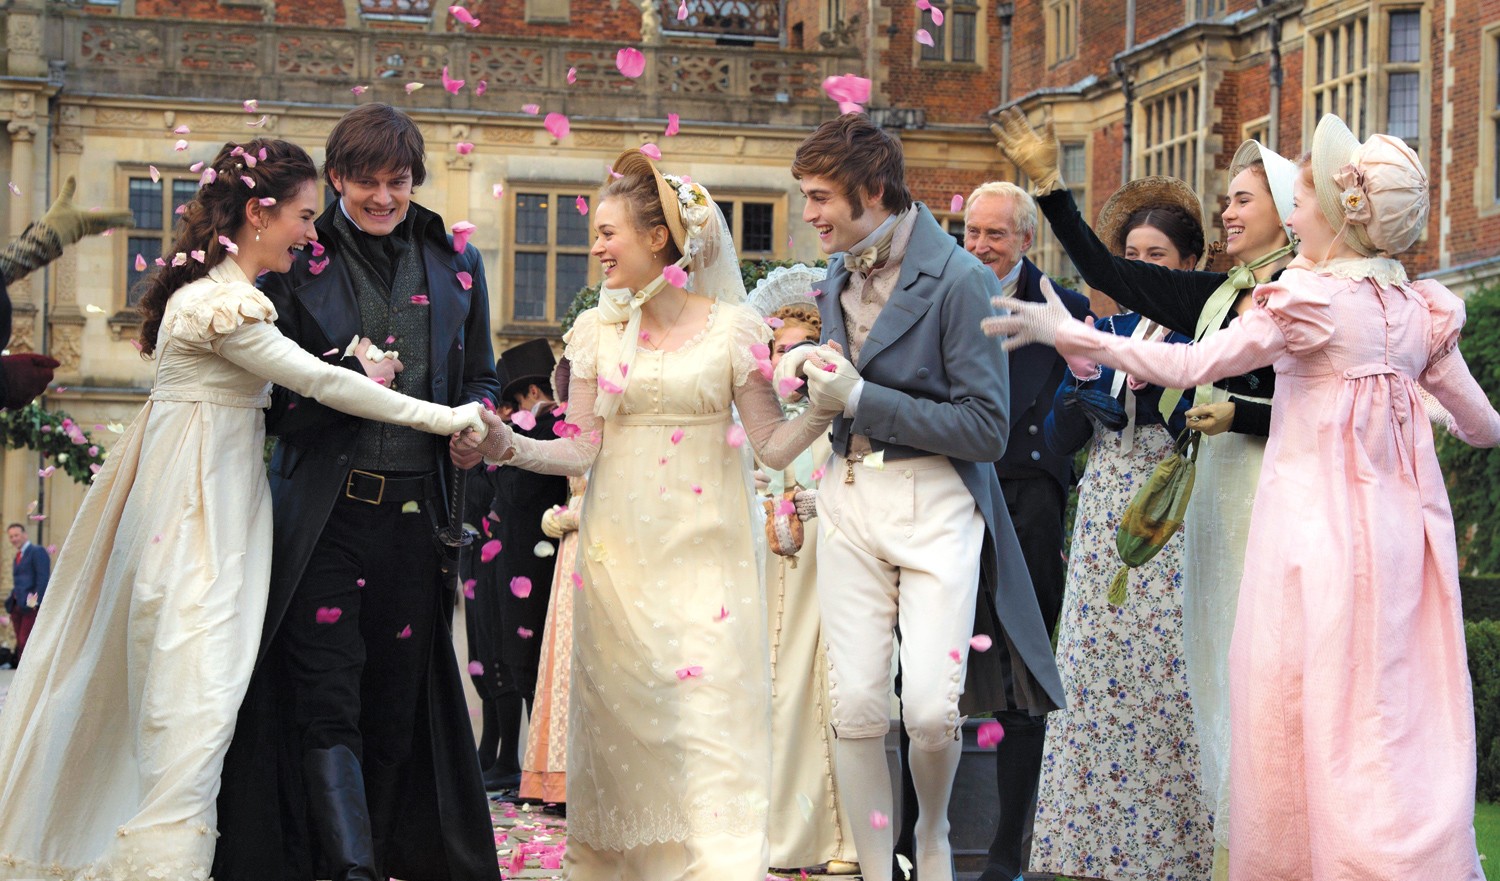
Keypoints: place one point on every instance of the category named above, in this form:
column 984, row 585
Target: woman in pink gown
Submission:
column 1352, row 720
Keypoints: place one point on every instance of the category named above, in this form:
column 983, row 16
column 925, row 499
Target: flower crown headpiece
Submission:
column 695, row 208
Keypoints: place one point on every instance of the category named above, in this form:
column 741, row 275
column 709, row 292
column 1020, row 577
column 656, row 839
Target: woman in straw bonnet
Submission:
column 669, row 755
column 1352, row 718
column 1234, row 411
column 1128, row 697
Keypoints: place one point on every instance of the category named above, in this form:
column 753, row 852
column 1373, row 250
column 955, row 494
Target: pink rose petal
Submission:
column 316, row 267
column 557, row 125
column 651, row 150
column 735, row 436
column 677, row 437
column 850, row 91
column 673, row 125
column 412, row 87
column 981, row 643
column 697, row 490
column 180, row 146
column 957, row 658
column 489, row 550
column 482, row 87
column 229, row 245
column 251, row 105
column 476, row 668
column 326, row 615
column 957, row 203
column 360, row 90
column 989, row 734
column 577, row 581
column 689, row 672
column 521, row 586
column 155, row 173
column 572, row 75
column 923, row 37
column 785, row 508
column 582, row 205
column 630, row 62
column 469, row 584
column 182, row 130
column 465, row 280
column 463, row 16
column 198, row 255
column 818, row 473
column 497, row 190
column 248, row 181
column 682, row 11
column 140, row 263
column 419, row 300
column 461, row 232
column 524, row 633
column 463, row 148
column 266, row 201
column 531, row 109
column 405, row 632
column 879, row 820
column 675, row 275
column 787, row 385
column 452, row 85
column 524, row 420
column 317, row 248
column 608, row 387
column 723, row 614
column 937, row 16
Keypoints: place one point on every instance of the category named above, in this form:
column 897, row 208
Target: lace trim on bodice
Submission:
column 1381, row 270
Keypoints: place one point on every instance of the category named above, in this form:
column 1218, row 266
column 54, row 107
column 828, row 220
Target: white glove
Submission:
column 790, row 367
column 501, row 439
column 466, row 417
column 551, row 522
column 1028, row 322
column 1437, row 414
column 762, row 481
column 829, row 391
column 807, row 504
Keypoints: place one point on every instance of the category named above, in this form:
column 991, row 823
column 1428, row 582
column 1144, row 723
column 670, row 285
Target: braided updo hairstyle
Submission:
column 278, row 169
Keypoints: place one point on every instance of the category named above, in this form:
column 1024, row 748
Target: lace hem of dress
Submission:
column 1381, row 270
column 620, row 830
column 181, row 852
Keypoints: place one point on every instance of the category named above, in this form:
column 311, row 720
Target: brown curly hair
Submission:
column 218, row 209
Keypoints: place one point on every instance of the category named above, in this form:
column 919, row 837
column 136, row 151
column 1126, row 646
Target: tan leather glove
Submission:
column 62, row 225
column 1211, row 419
column 1035, row 154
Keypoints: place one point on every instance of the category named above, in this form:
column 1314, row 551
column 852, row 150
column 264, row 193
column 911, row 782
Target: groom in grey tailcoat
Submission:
column 916, row 531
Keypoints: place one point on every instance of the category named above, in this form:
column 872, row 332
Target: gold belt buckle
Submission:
column 349, row 487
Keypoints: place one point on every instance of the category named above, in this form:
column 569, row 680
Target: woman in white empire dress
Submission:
column 115, row 728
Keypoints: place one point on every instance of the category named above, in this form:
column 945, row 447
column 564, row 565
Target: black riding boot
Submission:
column 339, row 814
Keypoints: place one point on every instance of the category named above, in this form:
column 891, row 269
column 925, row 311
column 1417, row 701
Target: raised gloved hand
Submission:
column 1035, row 154
column 26, row 376
column 807, row 503
column 500, row 443
column 1211, row 419
column 1028, row 322
column 62, row 225
column 828, row 391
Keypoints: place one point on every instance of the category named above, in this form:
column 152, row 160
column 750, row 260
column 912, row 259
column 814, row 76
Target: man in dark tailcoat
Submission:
column 354, row 758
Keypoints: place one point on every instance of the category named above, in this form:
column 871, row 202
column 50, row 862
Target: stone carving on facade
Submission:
column 695, row 74
column 23, row 33
column 220, row 50
column 65, row 289
column 507, row 135
column 69, row 135
column 612, row 140
column 121, row 117
column 120, row 45
column 65, row 342
column 509, row 65
column 315, row 54
column 650, row 23
column 22, row 328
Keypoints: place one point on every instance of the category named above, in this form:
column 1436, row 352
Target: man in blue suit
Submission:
column 29, row 573
column 916, row 532
column 999, row 227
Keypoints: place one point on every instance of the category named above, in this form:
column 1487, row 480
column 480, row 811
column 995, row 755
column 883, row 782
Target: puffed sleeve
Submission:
column 581, row 345
column 217, row 311
column 1447, row 377
column 747, row 330
column 1290, row 315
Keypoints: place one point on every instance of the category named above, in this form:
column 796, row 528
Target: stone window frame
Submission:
column 1258, row 129
column 561, row 196
column 127, row 241
column 1204, row 10
column 1060, row 24
column 738, row 198
column 1332, row 83
column 1046, row 252
column 1487, row 166
column 943, row 53
column 1168, row 141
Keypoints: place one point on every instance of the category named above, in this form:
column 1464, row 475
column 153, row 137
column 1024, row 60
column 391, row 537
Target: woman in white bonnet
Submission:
column 1351, row 712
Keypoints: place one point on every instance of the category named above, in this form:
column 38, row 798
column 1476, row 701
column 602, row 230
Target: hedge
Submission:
column 1484, row 667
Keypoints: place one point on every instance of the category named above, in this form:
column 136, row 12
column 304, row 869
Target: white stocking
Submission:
column 932, row 772
column 864, row 782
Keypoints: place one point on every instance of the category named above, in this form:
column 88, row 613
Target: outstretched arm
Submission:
column 776, row 439
column 571, row 454
column 1474, row 420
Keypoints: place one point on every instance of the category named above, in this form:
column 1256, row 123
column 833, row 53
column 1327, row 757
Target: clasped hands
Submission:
column 829, row 378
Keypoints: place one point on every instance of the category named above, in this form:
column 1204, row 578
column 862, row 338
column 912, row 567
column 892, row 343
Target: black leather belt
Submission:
column 378, row 489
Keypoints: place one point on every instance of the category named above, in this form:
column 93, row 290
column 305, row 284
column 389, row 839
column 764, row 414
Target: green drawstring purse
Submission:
column 1156, row 512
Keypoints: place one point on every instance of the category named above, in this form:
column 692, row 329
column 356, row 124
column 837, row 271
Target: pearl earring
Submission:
column 257, row 235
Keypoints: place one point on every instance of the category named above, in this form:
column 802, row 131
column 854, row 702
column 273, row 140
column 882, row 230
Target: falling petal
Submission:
column 99, row 310
column 905, row 865
column 155, row 173
column 543, row 549
column 760, row 351
column 818, row 473
column 463, row 16
column 572, row 75
column 787, row 385
column 481, row 88
column 259, row 122
column 521, row 586
column 689, row 672
column 682, row 11
column 524, row 633
column 419, row 300
column 360, row 90
column 879, row 820
column 195, row 167
column 957, row 658
column 675, row 275
column 524, row 420
column 608, row 387
column 531, row 109
column 158, row 262
column 182, row 130
column 476, row 668
column 577, row 581
column 557, row 125
column 981, row 643
column 923, row 37
column 316, row 267
column 581, row 204
column 317, row 249
column 774, row 322
column 465, row 280
column 676, row 437
column 924, row 5
column 47, row 472
column 469, row 584
column 937, row 16
column 412, row 87
column 251, row 105
column 697, row 490
column 331, row 352
column 651, row 150
column 461, row 232
column 140, row 263
column 489, row 550
column 630, row 62
column 463, row 148
column 498, row 190
column 405, row 633
column 452, row 85
column 989, row 734
column 673, row 124
column 957, row 203
column 326, row 615
column 850, row 91
column 180, row 146
column 723, row 614
column 735, row 436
